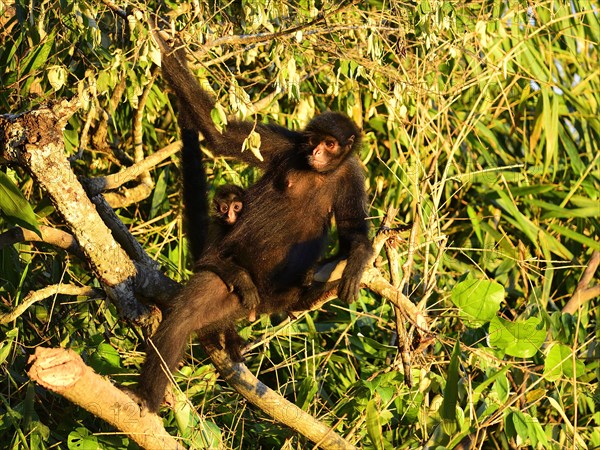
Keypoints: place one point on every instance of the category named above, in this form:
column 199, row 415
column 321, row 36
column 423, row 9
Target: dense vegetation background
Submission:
column 481, row 124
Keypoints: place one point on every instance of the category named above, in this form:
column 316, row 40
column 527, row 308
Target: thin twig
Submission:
column 95, row 186
column 48, row 291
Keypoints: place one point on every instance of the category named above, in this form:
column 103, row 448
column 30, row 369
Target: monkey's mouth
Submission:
column 317, row 165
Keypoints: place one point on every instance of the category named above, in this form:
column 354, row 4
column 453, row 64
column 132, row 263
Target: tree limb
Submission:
column 64, row 372
column 52, row 236
column 243, row 381
column 95, row 186
column 34, row 140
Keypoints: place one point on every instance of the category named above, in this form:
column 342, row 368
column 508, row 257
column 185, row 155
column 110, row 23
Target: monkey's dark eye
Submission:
column 224, row 209
column 330, row 143
column 237, row 207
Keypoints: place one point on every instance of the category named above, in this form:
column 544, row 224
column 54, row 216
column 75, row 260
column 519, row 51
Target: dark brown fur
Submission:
column 282, row 233
column 226, row 200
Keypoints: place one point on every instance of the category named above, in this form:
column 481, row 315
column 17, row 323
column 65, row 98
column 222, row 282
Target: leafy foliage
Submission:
column 480, row 119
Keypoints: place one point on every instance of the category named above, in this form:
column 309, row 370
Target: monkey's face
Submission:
column 325, row 153
column 228, row 210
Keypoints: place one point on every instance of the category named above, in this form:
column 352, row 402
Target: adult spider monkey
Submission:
column 309, row 176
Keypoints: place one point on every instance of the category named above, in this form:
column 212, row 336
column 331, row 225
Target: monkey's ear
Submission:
column 350, row 141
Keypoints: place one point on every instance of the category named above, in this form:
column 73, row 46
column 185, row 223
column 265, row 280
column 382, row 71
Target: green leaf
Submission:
column 560, row 363
column 521, row 339
column 479, row 389
column 15, row 205
column 160, row 199
column 36, row 59
column 577, row 237
column 524, row 224
column 520, row 423
column 6, row 346
column 105, row 360
column 82, row 439
column 374, row 429
column 478, row 301
column 306, row 392
column 448, row 408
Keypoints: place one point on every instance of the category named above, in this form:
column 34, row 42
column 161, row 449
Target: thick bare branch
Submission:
column 52, row 236
column 34, row 140
column 243, row 381
column 97, row 185
column 64, row 372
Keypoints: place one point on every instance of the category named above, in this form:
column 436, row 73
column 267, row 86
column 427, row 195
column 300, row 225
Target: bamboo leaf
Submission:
column 15, row 206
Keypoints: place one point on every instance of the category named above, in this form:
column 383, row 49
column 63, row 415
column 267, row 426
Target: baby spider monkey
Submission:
column 228, row 204
column 205, row 231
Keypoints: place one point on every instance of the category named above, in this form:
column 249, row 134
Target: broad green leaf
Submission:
column 105, row 359
column 82, row 439
column 521, row 339
column 57, row 75
column 520, row 423
column 478, row 301
column 15, row 205
column 559, row 363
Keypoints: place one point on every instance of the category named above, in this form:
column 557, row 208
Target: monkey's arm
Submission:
column 350, row 211
column 196, row 104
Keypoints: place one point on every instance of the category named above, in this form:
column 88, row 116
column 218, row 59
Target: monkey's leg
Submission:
column 163, row 353
column 204, row 303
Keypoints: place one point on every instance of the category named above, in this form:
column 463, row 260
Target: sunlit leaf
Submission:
column 15, row 206
column 478, row 301
column 521, row 338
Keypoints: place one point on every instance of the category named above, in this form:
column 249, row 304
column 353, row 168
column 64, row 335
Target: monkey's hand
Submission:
column 246, row 289
column 349, row 287
column 249, row 296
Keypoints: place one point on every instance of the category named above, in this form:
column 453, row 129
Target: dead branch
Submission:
column 48, row 291
column 243, row 381
column 64, row 372
column 95, row 186
column 34, row 141
column 584, row 293
column 52, row 236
